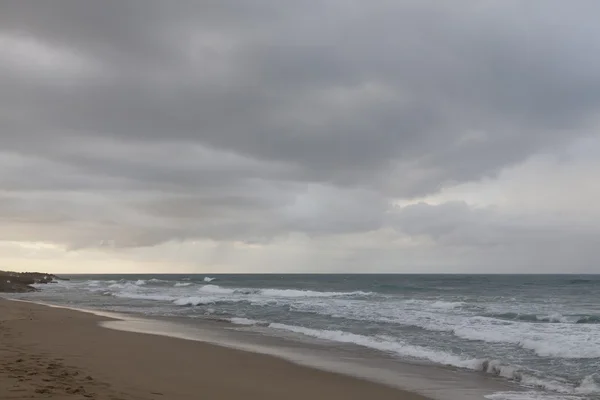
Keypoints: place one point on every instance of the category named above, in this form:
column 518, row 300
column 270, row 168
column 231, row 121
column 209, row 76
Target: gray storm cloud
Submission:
column 143, row 122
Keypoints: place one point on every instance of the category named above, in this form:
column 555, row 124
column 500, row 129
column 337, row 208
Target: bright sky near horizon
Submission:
column 310, row 136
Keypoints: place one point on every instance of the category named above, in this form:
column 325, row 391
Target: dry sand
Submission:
column 63, row 354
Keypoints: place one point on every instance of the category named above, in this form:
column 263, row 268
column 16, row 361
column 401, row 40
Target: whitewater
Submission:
column 541, row 333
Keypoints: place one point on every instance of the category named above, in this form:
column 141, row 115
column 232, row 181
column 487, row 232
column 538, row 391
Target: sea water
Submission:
column 540, row 332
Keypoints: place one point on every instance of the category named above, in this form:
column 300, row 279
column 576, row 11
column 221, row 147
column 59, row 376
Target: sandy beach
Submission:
column 63, row 354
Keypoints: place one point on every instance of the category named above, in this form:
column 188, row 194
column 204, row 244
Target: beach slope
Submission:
column 63, row 354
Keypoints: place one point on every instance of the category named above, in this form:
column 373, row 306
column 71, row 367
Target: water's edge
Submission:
column 435, row 382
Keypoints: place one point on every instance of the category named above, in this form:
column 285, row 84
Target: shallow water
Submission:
column 541, row 332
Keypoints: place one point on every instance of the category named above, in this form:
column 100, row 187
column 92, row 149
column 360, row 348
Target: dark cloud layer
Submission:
column 250, row 120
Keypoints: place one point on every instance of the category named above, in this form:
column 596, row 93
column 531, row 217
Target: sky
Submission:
column 409, row 136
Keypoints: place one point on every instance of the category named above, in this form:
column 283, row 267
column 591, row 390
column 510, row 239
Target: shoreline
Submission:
column 431, row 381
column 65, row 353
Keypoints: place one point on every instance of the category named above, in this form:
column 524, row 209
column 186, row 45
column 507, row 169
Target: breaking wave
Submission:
column 545, row 342
column 554, row 318
column 188, row 294
column 307, row 293
column 283, row 293
column 548, row 336
column 244, row 321
column 143, row 296
column 588, row 319
column 587, row 386
column 489, row 366
column 511, row 316
column 195, row 301
column 573, row 344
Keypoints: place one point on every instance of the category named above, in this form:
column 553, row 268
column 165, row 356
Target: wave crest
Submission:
column 512, row 316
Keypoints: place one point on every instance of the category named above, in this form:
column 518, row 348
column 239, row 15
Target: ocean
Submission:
column 540, row 334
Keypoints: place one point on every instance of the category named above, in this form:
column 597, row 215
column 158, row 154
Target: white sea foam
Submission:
column 208, row 279
column 533, row 335
column 381, row 343
column 253, row 295
column 556, row 317
column 589, row 385
column 307, row 293
column 274, row 293
column 189, row 294
column 562, row 390
column 124, row 286
column 214, row 289
column 529, row 395
column 493, row 367
column 574, row 346
column 546, row 340
column 410, row 313
column 586, row 387
column 243, row 321
column 196, row 300
column 573, row 341
column 203, row 300
column 399, row 347
column 446, row 305
column 551, row 317
column 143, row 296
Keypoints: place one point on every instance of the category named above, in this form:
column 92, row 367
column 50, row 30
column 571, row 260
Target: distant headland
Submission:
column 20, row 282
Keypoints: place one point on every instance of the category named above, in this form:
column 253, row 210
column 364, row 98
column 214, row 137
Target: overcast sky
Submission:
column 300, row 136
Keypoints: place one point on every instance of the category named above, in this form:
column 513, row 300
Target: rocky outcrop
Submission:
column 20, row 282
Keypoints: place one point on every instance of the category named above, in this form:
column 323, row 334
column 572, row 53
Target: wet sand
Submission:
column 64, row 354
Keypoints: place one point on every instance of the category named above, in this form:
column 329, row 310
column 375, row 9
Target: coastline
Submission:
column 21, row 282
column 61, row 353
